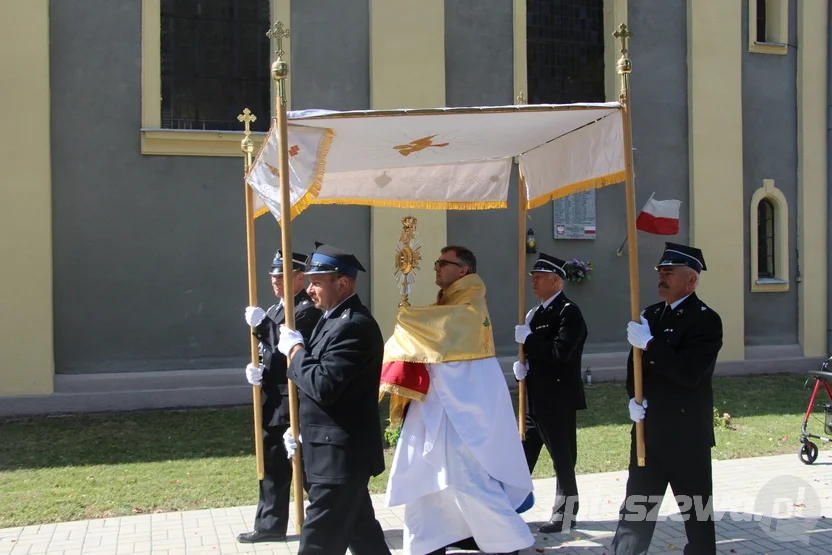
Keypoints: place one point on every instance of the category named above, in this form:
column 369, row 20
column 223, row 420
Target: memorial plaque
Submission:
column 574, row 216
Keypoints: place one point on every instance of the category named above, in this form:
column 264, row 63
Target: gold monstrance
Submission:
column 407, row 258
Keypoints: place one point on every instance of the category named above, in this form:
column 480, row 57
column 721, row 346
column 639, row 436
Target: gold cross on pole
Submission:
column 521, row 98
column 278, row 33
column 247, row 145
column 623, row 33
column 247, row 118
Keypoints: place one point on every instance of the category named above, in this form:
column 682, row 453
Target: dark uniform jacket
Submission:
column 553, row 352
column 677, row 369
column 274, row 388
column 338, row 374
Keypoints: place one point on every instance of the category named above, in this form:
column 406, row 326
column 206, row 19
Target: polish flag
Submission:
column 660, row 217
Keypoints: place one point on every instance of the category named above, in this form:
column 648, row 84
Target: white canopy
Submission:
column 445, row 158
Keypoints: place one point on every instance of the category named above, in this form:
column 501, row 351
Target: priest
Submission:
column 459, row 467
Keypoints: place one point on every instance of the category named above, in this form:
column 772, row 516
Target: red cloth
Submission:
column 407, row 379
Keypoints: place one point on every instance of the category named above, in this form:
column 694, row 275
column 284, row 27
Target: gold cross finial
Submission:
column 623, row 33
column 279, row 32
column 521, row 98
column 247, row 118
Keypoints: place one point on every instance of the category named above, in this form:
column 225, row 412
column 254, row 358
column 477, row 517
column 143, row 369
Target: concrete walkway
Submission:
column 773, row 505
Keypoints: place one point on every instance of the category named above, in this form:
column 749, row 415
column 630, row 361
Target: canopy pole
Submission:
column 280, row 71
column 521, row 282
column 521, row 303
column 247, row 146
column 625, row 67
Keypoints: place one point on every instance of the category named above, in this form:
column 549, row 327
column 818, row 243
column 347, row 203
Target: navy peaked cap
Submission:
column 298, row 263
column 328, row 259
column 550, row 264
column 682, row 255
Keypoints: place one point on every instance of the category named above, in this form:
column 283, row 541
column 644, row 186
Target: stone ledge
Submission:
column 769, row 359
column 182, row 389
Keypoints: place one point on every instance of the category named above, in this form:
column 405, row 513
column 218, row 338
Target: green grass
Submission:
column 90, row 466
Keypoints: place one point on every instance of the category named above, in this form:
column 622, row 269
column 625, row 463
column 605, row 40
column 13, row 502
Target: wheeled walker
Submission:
column 808, row 449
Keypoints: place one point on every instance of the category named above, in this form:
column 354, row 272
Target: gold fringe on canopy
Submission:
column 317, row 176
column 415, row 204
column 577, row 187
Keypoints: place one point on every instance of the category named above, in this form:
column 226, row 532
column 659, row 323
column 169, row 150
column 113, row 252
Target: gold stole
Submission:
column 457, row 328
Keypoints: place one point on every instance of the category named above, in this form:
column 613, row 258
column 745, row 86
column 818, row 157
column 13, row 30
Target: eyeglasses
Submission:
column 442, row 263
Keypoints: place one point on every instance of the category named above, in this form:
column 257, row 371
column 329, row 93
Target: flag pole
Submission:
column 621, row 248
column 625, row 67
column 247, row 146
column 280, row 71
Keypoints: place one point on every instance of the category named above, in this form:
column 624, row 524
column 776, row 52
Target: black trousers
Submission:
column 559, row 433
column 688, row 472
column 341, row 516
column 273, row 506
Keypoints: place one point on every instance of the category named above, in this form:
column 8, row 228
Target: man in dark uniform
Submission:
column 553, row 340
column 680, row 338
column 337, row 372
column 272, row 515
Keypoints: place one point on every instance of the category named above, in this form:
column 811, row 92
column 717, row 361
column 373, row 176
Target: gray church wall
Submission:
column 333, row 74
column 769, row 119
column 149, row 251
column 659, row 89
column 479, row 55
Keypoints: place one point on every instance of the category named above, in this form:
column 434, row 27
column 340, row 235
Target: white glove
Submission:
column 254, row 315
column 254, row 374
column 638, row 334
column 637, row 411
column 288, row 339
column 521, row 333
column 289, row 443
column 520, row 370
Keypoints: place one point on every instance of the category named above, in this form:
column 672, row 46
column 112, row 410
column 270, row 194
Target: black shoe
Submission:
column 468, row 544
column 555, row 524
column 258, row 536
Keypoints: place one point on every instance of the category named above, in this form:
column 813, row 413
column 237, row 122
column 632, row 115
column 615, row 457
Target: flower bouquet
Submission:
column 577, row 270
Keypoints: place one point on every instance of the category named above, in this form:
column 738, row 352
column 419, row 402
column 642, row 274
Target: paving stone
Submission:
column 737, row 484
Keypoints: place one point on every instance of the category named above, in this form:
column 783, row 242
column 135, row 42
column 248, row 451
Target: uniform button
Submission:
column 652, row 362
column 683, row 410
column 558, row 380
column 327, row 437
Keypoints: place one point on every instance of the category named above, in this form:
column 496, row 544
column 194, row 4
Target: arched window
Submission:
column 765, row 239
column 768, row 234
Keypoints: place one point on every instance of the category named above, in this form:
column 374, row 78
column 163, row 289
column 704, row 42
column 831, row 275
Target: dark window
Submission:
column 565, row 51
column 215, row 62
column 761, row 20
column 765, row 239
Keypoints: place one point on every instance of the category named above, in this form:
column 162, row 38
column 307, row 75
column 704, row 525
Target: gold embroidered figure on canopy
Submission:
column 418, row 145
